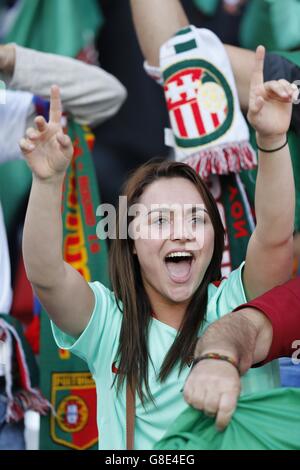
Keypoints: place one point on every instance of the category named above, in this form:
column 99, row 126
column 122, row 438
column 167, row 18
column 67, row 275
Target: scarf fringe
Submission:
column 27, row 398
column 222, row 160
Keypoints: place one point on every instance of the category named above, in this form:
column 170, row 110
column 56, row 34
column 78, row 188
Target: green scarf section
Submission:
column 82, row 248
column 264, row 421
column 207, row 7
column 56, row 26
column 234, row 207
column 237, row 219
column 263, row 23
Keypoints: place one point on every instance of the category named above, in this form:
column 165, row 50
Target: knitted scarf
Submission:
column 20, row 373
column 208, row 129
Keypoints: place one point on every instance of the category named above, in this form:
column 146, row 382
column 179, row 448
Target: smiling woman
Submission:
column 143, row 333
column 150, row 280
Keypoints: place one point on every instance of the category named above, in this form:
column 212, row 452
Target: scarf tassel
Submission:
column 232, row 158
column 27, row 398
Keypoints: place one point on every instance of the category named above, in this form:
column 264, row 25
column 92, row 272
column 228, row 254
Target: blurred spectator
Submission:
column 273, row 23
column 223, row 17
column 90, row 95
column 249, row 23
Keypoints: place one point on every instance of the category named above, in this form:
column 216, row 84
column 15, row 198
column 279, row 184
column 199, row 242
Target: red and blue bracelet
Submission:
column 217, row 357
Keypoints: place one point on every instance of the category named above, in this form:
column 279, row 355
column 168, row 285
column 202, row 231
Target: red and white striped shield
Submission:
column 200, row 103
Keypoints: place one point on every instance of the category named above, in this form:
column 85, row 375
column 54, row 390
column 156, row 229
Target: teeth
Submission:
column 178, row 254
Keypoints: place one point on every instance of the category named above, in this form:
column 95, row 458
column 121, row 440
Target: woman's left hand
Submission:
column 270, row 103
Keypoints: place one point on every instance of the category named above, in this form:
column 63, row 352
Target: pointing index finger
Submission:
column 258, row 72
column 55, row 105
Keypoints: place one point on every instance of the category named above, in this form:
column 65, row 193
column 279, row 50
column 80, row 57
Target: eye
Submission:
column 161, row 221
column 198, row 219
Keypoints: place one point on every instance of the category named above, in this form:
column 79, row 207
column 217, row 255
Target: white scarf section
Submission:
column 208, row 131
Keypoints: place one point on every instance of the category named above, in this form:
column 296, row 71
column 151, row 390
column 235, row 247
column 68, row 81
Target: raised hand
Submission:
column 270, row 103
column 48, row 151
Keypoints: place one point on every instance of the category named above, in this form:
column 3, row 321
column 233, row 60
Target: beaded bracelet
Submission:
column 274, row 150
column 217, row 357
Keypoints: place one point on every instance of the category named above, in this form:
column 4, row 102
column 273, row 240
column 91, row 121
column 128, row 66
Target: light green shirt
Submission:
column 98, row 346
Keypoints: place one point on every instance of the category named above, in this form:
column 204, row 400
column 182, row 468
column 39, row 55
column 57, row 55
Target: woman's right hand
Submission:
column 47, row 150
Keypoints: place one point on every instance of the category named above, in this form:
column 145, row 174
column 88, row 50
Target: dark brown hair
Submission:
column 133, row 355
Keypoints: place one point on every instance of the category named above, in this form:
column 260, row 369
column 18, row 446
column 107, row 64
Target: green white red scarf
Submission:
column 208, row 130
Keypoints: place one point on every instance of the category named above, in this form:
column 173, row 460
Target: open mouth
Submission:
column 179, row 265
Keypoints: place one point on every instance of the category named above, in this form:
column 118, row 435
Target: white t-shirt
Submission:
column 5, row 281
column 13, row 116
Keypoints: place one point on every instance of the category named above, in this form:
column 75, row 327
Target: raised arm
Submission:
column 155, row 22
column 269, row 258
column 63, row 292
column 89, row 94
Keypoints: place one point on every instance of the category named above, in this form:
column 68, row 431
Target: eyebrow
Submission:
column 167, row 210
column 196, row 209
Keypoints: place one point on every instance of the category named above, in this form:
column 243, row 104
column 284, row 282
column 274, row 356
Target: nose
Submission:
column 181, row 230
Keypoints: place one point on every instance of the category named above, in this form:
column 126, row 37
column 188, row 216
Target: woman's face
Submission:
column 176, row 240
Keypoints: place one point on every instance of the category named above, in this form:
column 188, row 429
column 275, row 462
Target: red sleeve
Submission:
column 282, row 307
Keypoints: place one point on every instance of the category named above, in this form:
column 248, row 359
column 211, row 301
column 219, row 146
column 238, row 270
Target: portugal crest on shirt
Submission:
column 74, row 400
column 200, row 102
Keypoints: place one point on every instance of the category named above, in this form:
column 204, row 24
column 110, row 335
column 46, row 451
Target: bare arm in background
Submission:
column 156, row 21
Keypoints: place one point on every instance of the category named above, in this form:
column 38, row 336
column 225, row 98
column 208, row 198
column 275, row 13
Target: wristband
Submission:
column 274, row 150
column 217, row 357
